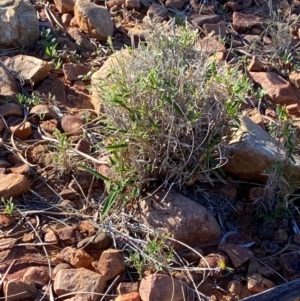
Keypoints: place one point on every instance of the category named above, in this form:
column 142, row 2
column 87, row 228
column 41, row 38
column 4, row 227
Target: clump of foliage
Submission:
column 168, row 107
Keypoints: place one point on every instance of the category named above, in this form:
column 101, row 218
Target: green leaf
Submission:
column 95, row 173
column 116, row 146
column 110, row 200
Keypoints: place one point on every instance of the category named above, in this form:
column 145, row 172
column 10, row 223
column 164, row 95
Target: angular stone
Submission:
column 97, row 79
column 255, row 64
column 214, row 261
column 77, row 258
column 69, row 235
column 242, row 22
column 269, row 247
column 6, row 220
column 49, row 126
column 231, row 6
column 157, row 11
column 13, row 185
column 32, row 69
column 73, row 71
column 81, row 39
column 9, row 86
column 72, row 124
column 280, row 236
column 66, row 19
column 252, row 150
column 19, row 25
column 237, row 254
column 38, row 275
column 210, row 44
column 179, row 217
column 257, row 284
column 64, row 6
column 44, row 111
column 162, row 287
column 290, row 262
column 177, row 4
column 55, row 88
column 127, row 287
column 200, row 20
column 256, row 117
column 111, row 264
column 294, row 78
column 51, row 237
column 101, row 241
column 93, row 19
column 79, row 280
column 133, row 4
column 22, row 131
column 235, row 287
column 11, row 109
column 60, row 266
column 18, row 290
column 218, row 29
column 134, row 296
column 278, row 89
column 21, row 169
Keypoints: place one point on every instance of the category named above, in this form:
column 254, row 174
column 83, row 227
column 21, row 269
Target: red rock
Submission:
column 9, row 86
column 11, row 109
column 49, row 126
column 72, row 124
column 181, row 218
column 50, row 237
column 13, row 185
column 93, row 19
column 237, row 254
column 132, row 4
column 235, row 287
column 256, row 117
column 231, row 6
column 64, row 6
column 214, row 261
column 6, row 220
column 162, row 287
column 38, row 275
column 218, row 29
column 69, row 235
column 77, row 258
column 79, row 280
column 127, row 287
column 43, row 111
column 134, row 296
column 199, row 20
column 32, row 69
column 255, row 64
column 177, row 4
column 111, row 264
column 18, row 290
column 257, row 284
column 81, row 39
column 22, row 131
column 278, row 89
column 242, row 22
column 73, row 71
column 53, row 86
column 21, row 169
column 66, row 19
column 157, row 11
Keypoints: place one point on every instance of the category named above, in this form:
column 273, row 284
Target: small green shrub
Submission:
column 168, row 106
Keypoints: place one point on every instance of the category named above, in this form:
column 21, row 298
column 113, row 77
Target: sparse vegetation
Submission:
column 168, row 107
column 9, row 205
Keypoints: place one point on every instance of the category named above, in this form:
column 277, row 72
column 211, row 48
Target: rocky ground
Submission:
column 222, row 238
